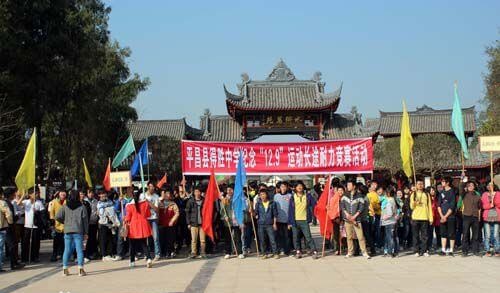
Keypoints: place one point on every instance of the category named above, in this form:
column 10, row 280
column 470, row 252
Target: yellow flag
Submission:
column 406, row 143
column 87, row 174
column 25, row 178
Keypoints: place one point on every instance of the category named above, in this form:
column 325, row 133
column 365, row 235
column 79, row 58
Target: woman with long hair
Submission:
column 139, row 229
column 76, row 228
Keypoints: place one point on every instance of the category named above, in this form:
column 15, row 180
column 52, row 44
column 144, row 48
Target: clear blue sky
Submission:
column 383, row 51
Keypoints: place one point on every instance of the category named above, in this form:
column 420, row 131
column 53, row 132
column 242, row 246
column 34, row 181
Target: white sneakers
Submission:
column 157, row 258
column 227, row 256
column 149, row 264
column 108, row 258
column 241, row 256
column 131, row 265
column 366, row 255
column 118, row 258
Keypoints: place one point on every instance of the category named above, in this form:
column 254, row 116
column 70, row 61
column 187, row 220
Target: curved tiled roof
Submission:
column 425, row 120
column 344, row 126
column 176, row 128
column 221, row 128
column 281, row 91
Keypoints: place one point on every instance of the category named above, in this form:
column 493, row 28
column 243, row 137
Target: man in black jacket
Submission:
column 194, row 206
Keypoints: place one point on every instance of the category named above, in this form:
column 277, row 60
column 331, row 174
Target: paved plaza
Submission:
column 330, row 274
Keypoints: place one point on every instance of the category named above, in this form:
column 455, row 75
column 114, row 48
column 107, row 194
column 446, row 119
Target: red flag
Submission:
column 107, row 177
column 211, row 195
column 320, row 211
column 334, row 206
column 162, row 182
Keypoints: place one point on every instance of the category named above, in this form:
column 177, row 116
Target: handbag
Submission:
column 124, row 230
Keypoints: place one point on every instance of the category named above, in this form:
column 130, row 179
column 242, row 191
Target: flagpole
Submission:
column 251, row 217
column 413, row 167
column 34, row 192
column 326, row 217
column 226, row 217
column 463, row 162
column 491, row 167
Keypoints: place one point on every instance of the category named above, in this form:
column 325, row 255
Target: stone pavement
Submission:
column 333, row 273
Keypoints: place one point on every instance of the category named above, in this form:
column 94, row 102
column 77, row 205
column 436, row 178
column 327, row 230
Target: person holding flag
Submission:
column 231, row 231
column 321, row 213
column 299, row 217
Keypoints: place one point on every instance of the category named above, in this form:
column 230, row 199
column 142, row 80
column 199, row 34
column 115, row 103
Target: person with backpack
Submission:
column 299, row 217
column 447, row 210
column 107, row 229
column 491, row 217
column 388, row 219
column 421, row 215
column 76, row 228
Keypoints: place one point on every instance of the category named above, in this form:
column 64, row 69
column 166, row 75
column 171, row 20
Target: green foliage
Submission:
column 166, row 157
column 491, row 124
column 58, row 64
column 432, row 153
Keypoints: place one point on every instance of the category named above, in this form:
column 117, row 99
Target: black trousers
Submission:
column 228, row 244
column 57, row 245
column 283, row 237
column 183, row 235
column 420, row 233
column 11, row 246
column 31, row 238
column 470, row 223
column 91, row 248
column 369, row 232
column 106, row 240
column 138, row 245
column 167, row 240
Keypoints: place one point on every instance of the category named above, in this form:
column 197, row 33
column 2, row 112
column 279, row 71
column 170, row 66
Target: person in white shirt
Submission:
column 33, row 221
column 154, row 199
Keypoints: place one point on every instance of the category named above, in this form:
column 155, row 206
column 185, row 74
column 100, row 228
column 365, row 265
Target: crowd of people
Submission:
column 369, row 219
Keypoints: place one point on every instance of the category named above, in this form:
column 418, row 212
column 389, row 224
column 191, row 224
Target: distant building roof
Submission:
column 425, row 120
column 282, row 91
column 176, row 129
column 346, row 125
column 220, row 128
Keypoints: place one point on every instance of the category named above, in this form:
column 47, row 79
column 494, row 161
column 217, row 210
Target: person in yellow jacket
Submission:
column 421, row 206
column 58, row 233
column 374, row 211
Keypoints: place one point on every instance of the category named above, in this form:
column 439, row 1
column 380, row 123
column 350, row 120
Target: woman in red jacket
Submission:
column 138, row 228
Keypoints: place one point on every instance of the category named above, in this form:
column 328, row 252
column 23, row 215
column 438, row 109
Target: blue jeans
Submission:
column 72, row 242
column 267, row 230
column 491, row 234
column 3, row 236
column 389, row 240
column 156, row 237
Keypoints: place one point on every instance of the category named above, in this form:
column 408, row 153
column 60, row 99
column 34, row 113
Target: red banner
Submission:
column 315, row 157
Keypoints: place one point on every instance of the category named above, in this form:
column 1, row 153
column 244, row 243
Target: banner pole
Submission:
column 463, row 162
column 326, row 218
column 413, row 166
column 250, row 208
column 230, row 230
column 491, row 168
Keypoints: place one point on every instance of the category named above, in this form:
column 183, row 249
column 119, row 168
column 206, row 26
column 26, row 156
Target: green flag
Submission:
column 457, row 124
column 127, row 148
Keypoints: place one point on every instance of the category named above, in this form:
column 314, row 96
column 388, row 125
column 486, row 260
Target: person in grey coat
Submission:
column 76, row 228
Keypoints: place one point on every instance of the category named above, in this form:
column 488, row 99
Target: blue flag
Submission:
column 239, row 202
column 457, row 124
column 143, row 154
